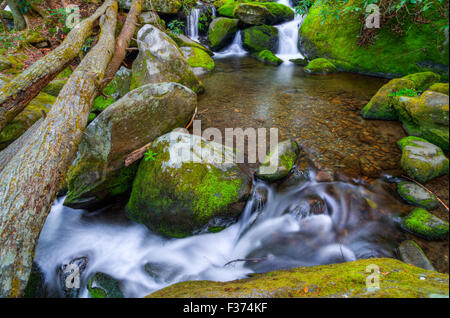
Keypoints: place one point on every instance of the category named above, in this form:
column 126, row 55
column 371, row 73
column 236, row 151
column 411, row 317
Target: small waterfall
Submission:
column 288, row 36
column 192, row 24
column 234, row 49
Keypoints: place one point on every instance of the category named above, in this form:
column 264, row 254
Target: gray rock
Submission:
column 416, row 195
column 412, row 254
column 279, row 162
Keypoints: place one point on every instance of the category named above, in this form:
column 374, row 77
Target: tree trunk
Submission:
column 32, row 176
column 19, row 21
column 22, row 89
column 123, row 41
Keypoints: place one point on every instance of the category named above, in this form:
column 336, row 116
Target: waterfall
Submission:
column 192, row 24
column 234, row 49
column 288, row 36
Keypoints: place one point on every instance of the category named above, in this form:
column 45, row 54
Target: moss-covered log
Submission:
column 22, row 89
column 31, row 178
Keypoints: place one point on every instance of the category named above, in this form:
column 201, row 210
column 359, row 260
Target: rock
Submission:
column 336, row 280
column 160, row 6
column 440, row 88
column 186, row 186
column 423, row 80
column 227, row 10
column 183, row 41
column 320, row 66
column 426, row 225
column 70, row 276
column 279, row 162
column 36, row 283
column 160, row 60
column 268, row 57
column 259, row 38
column 150, row 17
column 299, row 61
column 381, row 105
column 257, row 13
column 221, row 32
column 33, row 112
column 136, row 119
column 35, row 38
column 117, row 88
column 101, row 285
column 199, row 60
column 412, row 254
column 426, row 116
column 416, row 195
column 54, row 87
column 422, row 160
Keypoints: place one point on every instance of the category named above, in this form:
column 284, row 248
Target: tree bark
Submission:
column 123, row 41
column 22, row 89
column 19, row 21
column 31, row 178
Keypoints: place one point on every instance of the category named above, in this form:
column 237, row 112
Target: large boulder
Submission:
column 426, row 116
column 200, row 62
column 160, row 60
column 442, row 88
column 188, row 185
column 160, row 6
column 259, row 38
column 422, row 160
column 221, row 32
column 397, row 280
column 136, row 119
column 256, row 13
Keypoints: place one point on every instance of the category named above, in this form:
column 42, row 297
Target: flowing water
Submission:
column 192, row 24
column 288, row 37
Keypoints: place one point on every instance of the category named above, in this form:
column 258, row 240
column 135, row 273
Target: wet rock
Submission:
column 423, row 80
column 257, row 13
column 426, row 116
column 426, row 225
column 189, row 182
column 70, row 276
column 162, row 273
column 412, row 254
column 136, row 119
column 160, row 60
column 259, row 38
column 400, row 280
column 183, row 41
column 320, row 66
column 442, row 88
column 416, row 195
column 150, row 17
column 101, row 285
column 269, row 58
column 324, row 176
column 279, row 162
column 299, row 61
column 199, row 60
column 36, row 283
column 422, row 160
column 221, row 32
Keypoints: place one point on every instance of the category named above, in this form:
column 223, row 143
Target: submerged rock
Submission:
column 136, row 119
column 160, row 60
column 416, row 195
column 221, row 32
column 336, row 280
column 412, row 254
column 187, row 183
column 101, row 285
column 259, row 38
column 426, row 225
column 199, row 60
column 268, row 57
column 36, row 283
column 422, row 160
column 279, row 162
column 320, row 66
column 70, row 276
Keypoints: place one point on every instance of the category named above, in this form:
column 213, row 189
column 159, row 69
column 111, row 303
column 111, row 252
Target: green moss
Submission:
column 415, row 195
column 101, row 103
column 425, row 224
column 199, row 58
column 259, row 38
column 440, row 88
column 215, row 229
column 105, row 286
column 227, row 10
column 423, row 80
column 320, row 66
column 268, row 57
column 397, row 280
column 54, row 87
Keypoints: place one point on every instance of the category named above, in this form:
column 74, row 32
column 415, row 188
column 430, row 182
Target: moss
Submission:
column 199, row 58
column 101, row 103
column 54, row 87
column 65, row 73
column 425, row 224
column 268, row 57
column 227, row 10
column 423, row 80
column 440, row 88
column 259, row 38
column 183, row 41
column 257, row 13
column 216, row 229
column 391, row 55
column 320, row 66
column 105, row 286
column 221, row 31
column 397, row 280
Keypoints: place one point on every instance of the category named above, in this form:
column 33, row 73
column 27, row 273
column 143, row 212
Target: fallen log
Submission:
column 32, row 176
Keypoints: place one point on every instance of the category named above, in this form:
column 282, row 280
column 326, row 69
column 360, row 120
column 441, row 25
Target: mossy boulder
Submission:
column 268, row 57
column 101, row 285
column 412, row 254
column 259, row 38
column 425, row 116
column 299, row 61
column 423, row 80
column 188, row 186
column 397, row 280
column 221, row 32
column 199, row 60
column 279, row 162
column 161, row 60
column 33, row 112
column 160, row 6
column 150, row 17
column 257, row 13
column 416, row 195
column 11, row 64
column 183, row 41
column 439, row 88
column 391, row 54
column 426, row 225
column 320, row 66
column 99, row 173
column 422, row 160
